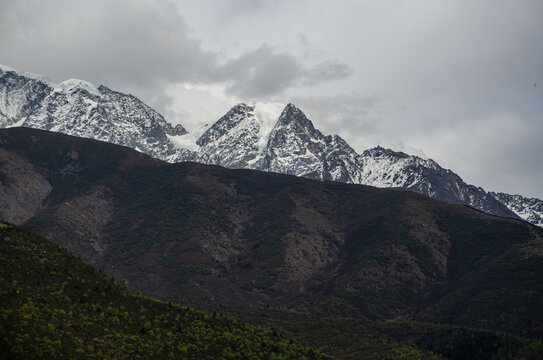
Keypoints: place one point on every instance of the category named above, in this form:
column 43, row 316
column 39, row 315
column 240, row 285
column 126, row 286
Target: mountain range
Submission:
column 262, row 136
column 245, row 239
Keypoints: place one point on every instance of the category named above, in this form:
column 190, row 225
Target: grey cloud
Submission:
column 251, row 5
column 138, row 46
column 261, row 72
column 326, row 71
column 109, row 42
column 163, row 103
column 264, row 72
column 507, row 143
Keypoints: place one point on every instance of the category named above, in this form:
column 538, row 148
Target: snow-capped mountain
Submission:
column 529, row 209
column 239, row 138
column 386, row 168
column 264, row 137
column 79, row 108
column 261, row 136
column 275, row 137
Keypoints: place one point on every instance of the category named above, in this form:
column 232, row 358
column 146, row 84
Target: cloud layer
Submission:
column 143, row 45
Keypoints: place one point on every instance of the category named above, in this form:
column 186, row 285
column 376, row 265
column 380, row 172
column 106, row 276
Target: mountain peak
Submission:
column 240, row 137
column 381, row 151
column 294, row 117
column 66, row 85
column 38, row 77
column 71, row 84
column 291, row 109
column 292, row 106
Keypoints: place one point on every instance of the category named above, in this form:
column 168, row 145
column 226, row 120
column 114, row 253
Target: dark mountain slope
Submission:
column 247, row 238
column 54, row 306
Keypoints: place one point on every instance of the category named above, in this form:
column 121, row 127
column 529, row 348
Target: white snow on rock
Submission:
column 70, row 84
column 267, row 115
column 188, row 140
column 529, row 209
column 94, row 112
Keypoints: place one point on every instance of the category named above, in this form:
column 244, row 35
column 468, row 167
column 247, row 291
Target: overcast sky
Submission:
column 458, row 81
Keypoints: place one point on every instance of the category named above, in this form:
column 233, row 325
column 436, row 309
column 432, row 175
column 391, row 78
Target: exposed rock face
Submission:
column 387, row 168
column 238, row 139
column 22, row 189
column 296, row 147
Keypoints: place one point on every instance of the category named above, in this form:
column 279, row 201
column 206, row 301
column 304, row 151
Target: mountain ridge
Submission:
column 259, row 136
column 82, row 109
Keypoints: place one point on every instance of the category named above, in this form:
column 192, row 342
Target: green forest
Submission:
column 54, row 306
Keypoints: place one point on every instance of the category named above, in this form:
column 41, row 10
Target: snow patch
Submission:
column 18, row 123
column 267, row 115
column 188, row 141
column 69, row 84
column 90, row 103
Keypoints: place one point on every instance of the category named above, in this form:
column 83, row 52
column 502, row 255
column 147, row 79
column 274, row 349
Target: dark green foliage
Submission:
column 349, row 338
column 53, row 306
column 459, row 343
column 343, row 338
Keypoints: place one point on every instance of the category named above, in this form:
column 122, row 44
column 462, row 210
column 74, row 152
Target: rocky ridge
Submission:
column 529, row 209
column 79, row 108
